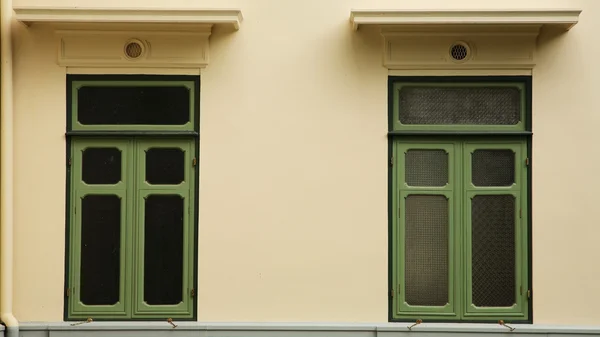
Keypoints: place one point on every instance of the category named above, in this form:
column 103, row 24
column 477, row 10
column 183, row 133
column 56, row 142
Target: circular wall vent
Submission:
column 134, row 49
column 460, row 51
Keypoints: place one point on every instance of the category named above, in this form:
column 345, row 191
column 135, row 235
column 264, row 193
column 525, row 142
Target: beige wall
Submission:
column 293, row 201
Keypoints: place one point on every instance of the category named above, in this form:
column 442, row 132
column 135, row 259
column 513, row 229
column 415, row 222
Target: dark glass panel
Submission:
column 100, row 249
column 163, row 249
column 426, row 168
column 101, row 165
column 493, row 167
column 165, row 166
column 426, row 249
column 460, row 105
column 133, row 105
column 493, row 250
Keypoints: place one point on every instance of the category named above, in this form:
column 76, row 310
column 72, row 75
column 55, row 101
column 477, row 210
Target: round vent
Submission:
column 460, row 51
column 134, row 49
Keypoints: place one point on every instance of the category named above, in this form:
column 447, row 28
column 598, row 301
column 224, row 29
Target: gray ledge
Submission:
column 321, row 329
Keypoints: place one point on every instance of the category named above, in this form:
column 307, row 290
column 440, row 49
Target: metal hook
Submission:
column 501, row 322
column 419, row 321
column 88, row 320
column 170, row 321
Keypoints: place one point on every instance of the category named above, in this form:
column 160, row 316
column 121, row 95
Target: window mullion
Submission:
column 132, row 201
column 460, row 230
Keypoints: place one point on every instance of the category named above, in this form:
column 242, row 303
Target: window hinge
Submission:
column 521, row 290
column 392, row 293
column 526, row 161
column 193, row 292
column 69, row 162
column 194, row 162
column 392, row 161
column 68, row 292
column 520, row 213
column 529, row 293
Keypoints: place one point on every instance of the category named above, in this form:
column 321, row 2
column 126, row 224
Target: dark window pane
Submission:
column 101, row 166
column 100, row 249
column 163, row 249
column 426, row 167
column 426, row 249
column 493, row 250
column 493, row 167
column 460, row 105
column 133, row 105
column 165, row 166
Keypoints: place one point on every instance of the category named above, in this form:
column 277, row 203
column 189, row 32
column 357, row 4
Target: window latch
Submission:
column 419, row 321
column 501, row 322
column 170, row 321
column 88, row 320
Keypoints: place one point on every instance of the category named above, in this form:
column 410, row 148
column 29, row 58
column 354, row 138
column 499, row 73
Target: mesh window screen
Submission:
column 100, row 249
column 426, row 167
column 163, row 249
column 460, row 105
column 493, row 167
column 101, row 166
column 133, row 105
column 426, row 249
column 493, row 250
column 165, row 166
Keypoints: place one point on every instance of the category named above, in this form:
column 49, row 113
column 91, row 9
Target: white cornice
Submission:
column 564, row 19
column 31, row 15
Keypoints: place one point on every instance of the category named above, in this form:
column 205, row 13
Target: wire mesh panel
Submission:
column 100, row 249
column 163, row 249
column 140, row 105
column 101, row 165
column 493, row 250
column 426, row 250
column 459, row 105
column 426, row 168
column 493, row 167
column 165, row 166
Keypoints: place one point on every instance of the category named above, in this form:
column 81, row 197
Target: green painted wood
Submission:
column 519, row 191
column 459, row 191
column 132, row 189
column 403, row 190
column 185, row 190
column 79, row 189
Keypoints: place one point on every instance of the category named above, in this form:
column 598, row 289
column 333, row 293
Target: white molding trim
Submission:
column 97, row 38
column 32, row 15
column 97, row 48
column 564, row 19
column 490, row 39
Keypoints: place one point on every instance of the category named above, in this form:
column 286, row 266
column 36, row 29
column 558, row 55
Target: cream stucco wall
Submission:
column 293, row 179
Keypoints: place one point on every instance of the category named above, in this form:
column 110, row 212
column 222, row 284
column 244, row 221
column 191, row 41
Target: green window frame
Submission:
column 147, row 198
column 446, row 224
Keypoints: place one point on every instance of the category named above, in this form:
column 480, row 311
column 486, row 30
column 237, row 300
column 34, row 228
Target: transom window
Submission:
column 459, row 201
column 131, row 201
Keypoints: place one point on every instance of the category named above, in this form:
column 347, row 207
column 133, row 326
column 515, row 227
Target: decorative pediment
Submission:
column 175, row 38
column 456, row 39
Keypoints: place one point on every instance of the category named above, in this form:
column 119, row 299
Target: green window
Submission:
column 459, row 199
column 132, row 197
